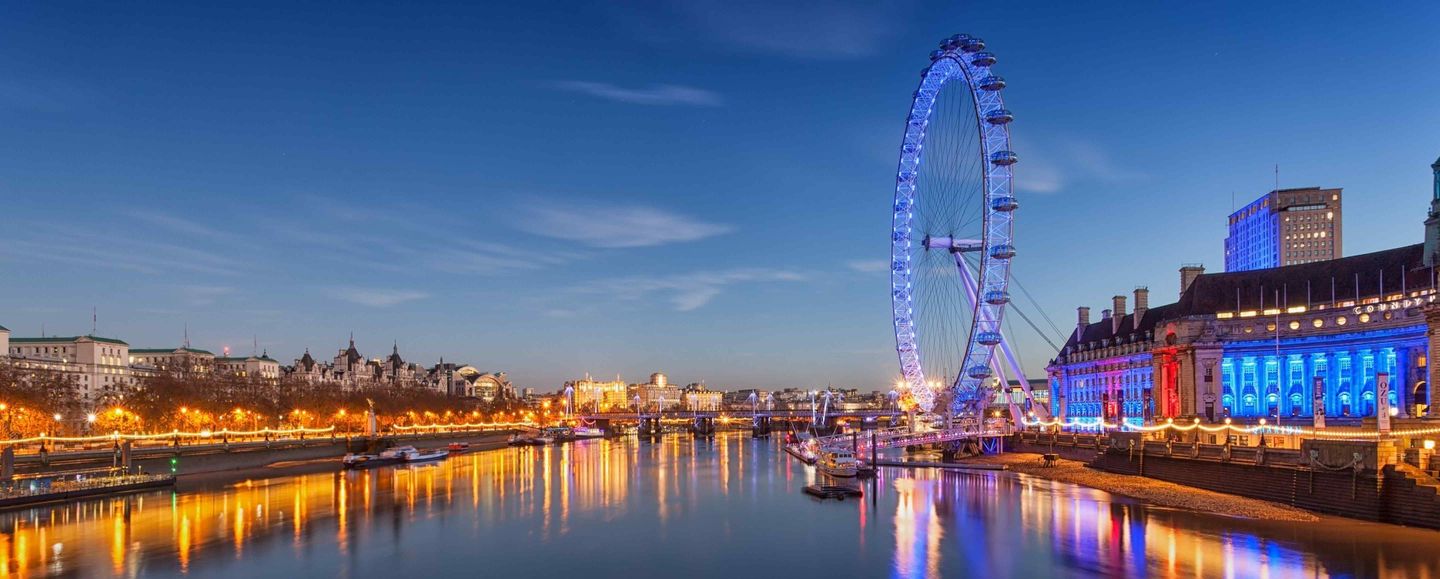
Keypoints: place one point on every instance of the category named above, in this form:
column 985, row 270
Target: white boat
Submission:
column 413, row 455
column 838, row 462
column 587, row 432
column 388, row 456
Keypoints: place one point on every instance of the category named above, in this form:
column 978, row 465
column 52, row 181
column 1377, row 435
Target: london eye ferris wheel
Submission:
column 951, row 243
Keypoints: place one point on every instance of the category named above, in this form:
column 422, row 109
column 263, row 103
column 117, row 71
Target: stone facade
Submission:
column 100, row 366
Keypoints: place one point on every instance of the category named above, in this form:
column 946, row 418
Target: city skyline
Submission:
column 484, row 192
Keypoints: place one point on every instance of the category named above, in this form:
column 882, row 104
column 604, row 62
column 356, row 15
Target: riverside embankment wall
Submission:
column 205, row 460
column 1391, row 494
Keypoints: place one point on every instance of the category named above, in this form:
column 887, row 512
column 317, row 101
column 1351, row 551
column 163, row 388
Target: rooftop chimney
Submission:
column 1083, row 315
column 1104, row 314
column 1118, row 304
column 1142, row 303
column 1188, row 273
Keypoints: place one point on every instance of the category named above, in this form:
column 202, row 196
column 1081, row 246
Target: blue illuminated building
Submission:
column 1256, row 343
column 1285, row 227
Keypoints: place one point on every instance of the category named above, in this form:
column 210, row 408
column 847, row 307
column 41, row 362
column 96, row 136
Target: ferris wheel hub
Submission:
column 954, row 245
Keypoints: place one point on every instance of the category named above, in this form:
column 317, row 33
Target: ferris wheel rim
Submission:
column 961, row 58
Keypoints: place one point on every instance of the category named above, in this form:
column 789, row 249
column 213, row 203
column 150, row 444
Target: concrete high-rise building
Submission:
column 1285, row 227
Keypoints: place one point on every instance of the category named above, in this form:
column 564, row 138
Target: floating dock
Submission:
column 833, row 491
column 799, row 455
column 59, row 487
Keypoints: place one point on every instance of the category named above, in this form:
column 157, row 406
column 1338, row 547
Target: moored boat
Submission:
column 587, row 432
column 370, row 460
column 412, row 455
column 838, row 462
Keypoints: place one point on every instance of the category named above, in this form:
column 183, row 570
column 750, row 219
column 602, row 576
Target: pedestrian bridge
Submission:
column 744, row 414
column 901, row 437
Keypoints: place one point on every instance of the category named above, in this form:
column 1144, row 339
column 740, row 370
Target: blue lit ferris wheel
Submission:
column 951, row 245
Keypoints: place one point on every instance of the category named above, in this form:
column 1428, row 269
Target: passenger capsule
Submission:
column 1004, row 158
column 982, row 59
column 936, row 54
column 999, row 116
column 972, row 44
column 1004, row 204
column 979, row 372
column 1002, row 251
column 997, row 298
column 992, row 83
column 988, row 338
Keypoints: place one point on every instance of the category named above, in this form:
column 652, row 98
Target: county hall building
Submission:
column 1271, row 342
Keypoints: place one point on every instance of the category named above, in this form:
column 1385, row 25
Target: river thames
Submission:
column 728, row 507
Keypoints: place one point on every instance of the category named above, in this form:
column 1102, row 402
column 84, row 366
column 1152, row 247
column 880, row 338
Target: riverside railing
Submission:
column 225, row 439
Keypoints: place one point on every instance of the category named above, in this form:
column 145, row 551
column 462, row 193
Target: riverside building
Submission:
column 1273, row 342
column 99, row 366
column 1285, row 227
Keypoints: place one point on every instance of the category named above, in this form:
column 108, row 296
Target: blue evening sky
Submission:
column 700, row 187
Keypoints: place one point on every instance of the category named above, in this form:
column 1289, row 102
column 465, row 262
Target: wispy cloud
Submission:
column 690, row 291
column 869, row 265
column 399, row 239
column 615, row 226
column 115, row 252
column 815, row 29
column 662, row 94
column 1049, row 166
column 179, row 224
column 378, row 298
column 203, row 295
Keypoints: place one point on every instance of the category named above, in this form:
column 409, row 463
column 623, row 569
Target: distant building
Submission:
column 182, row 359
column 698, row 398
column 1039, row 389
column 597, row 396
column 261, row 367
column 4, row 342
column 657, row 393
column 1285, row 227
column 100, row 366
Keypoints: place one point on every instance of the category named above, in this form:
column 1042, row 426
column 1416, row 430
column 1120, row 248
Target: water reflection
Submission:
column 718, row 507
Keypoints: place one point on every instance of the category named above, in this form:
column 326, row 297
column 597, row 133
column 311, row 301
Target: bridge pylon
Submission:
column 760, row 426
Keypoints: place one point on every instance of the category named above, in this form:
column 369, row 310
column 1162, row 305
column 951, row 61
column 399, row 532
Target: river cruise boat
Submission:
column 580, row 432
column 537, row 440
column 388, row 456
column 412, row 455
column 838, row 462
